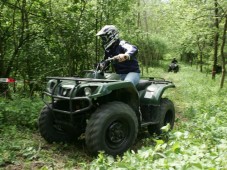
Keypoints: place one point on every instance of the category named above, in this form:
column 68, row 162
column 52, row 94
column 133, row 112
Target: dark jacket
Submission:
column 123, row 47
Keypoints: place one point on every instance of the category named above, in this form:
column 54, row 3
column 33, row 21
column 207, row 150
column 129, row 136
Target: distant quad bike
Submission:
column 109, row 112
column 173, row 67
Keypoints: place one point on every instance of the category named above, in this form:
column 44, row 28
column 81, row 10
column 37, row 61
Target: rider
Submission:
column 174, row 60
column 125, row 63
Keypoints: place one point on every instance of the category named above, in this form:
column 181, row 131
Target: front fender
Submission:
column 104, row 89
column 153, row 93
column 114, row 91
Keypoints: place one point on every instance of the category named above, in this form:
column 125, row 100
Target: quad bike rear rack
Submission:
column 146, row 81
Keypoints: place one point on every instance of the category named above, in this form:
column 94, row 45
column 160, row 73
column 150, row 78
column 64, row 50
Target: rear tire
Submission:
column 165, row 114
column 112, row 128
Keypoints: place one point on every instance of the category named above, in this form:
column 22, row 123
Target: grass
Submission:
column 198, row 140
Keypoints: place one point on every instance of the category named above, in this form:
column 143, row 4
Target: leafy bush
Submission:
column 152, row 50
column 20, row 111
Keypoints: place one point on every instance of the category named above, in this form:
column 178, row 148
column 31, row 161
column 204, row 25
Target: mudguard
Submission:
column 103, row 89
column 153, row 93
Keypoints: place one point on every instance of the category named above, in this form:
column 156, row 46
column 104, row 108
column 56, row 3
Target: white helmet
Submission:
column 109, row 35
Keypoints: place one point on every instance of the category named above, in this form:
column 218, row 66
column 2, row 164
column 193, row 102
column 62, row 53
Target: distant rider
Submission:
column 173, row 66
column 174, row 61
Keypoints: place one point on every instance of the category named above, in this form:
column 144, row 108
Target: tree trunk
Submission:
column 2, row 43
column 147, row 57
column 1, row 57
column 222, row 54
column 201, row 61
column 138, row 35
column 216, row 38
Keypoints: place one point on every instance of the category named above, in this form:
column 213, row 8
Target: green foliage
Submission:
column 54, row 38
column 19, row 111
column 189, row 27
column 152, row 50
column 11, row 148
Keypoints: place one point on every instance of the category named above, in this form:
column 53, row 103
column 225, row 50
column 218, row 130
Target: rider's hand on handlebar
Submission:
column 122, row 57
column 102, row 65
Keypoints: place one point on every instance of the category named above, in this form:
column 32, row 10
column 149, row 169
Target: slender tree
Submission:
column 216, row 38
column 223, row 54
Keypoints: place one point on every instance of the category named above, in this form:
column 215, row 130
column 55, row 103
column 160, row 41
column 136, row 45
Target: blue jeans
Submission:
column 131, row 77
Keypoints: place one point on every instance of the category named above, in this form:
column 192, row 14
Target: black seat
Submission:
column 143, row 84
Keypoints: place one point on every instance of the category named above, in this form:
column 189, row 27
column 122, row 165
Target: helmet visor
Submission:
column 104, row 38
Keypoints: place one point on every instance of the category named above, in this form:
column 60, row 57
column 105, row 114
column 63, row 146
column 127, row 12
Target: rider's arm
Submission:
column 129, row 49
column 128, row 52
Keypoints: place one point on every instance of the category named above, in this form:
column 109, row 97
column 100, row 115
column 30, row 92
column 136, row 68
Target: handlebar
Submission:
column 110, row 59
column 103, row 68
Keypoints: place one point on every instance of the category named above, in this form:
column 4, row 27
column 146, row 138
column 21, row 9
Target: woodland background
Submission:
column 39, row 38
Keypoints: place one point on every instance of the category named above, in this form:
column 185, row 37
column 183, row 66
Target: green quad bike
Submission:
column 109, row 112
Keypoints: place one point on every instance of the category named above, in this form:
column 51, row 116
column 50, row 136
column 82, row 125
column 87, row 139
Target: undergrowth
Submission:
column 198, row 140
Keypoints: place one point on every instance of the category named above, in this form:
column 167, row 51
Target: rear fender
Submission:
column 153, row 93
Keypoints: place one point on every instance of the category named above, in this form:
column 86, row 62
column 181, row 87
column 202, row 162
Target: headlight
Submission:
column 64, row 90
column 50, row 85
column 87, row 91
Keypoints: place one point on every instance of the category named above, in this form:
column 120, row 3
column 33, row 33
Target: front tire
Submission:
column 50, row 130
column 165, row 114
column 112, row 128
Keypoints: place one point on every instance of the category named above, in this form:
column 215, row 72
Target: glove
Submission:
column 122, row 57
column 102, row 65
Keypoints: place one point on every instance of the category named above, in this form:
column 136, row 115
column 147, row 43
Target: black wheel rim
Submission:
column 116, row 134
